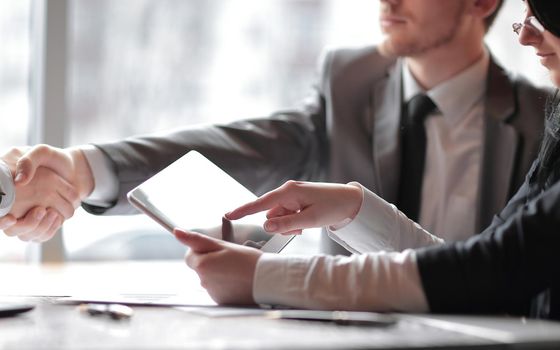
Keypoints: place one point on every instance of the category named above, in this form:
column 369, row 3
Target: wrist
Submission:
column 83, row 175
column 253, row 275
column 357, row 197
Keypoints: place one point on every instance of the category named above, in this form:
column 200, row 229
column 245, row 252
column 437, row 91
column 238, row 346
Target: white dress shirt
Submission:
column 389, row 279
column 380, row 226
column 106, row 184
column 454, row 142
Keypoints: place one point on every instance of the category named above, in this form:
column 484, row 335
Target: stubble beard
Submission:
column 416, row 48
column 420, row 45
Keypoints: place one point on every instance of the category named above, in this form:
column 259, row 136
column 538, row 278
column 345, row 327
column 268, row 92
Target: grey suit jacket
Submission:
column 347, row 130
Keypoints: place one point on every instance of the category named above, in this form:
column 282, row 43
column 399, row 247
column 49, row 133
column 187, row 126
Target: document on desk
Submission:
column 195, row 298
column 346, row 318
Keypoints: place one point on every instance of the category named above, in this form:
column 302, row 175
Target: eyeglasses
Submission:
column 531, row 23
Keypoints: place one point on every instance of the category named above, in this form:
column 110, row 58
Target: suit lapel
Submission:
column 500, row 140
column 386, row 109
column 500, row 146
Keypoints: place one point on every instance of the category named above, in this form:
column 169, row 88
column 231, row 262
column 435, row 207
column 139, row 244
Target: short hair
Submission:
column 488, row 21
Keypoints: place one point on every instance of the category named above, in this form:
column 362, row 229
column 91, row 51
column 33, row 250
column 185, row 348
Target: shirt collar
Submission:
column 455, row 96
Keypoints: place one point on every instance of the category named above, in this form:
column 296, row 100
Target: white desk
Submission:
column 104, row 280
column 63, row 327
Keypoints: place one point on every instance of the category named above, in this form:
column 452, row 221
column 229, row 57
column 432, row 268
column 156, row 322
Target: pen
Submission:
column 115, row 311
column 349, row 318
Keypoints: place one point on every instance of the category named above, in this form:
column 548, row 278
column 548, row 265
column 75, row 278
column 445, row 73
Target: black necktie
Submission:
column 413, row 146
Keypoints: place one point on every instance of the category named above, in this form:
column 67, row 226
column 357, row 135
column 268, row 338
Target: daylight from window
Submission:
column 139, row 66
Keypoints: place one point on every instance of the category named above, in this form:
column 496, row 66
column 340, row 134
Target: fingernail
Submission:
column 270, row 226
column 227, row 214
column 178, row 231
column 19, row 177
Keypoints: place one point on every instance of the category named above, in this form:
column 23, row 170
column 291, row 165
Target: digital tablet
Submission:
column 193, row 193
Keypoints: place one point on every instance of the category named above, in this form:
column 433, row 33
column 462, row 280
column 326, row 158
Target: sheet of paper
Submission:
column 197, row 297
column 221, row 311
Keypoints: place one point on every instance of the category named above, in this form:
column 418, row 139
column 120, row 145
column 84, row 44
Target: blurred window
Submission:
column 139, row 66
column 14, row 104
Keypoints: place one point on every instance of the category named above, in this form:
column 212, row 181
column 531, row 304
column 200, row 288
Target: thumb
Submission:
column 7, row 221
column 25, row 170
column 199, row 243
column 42, row 155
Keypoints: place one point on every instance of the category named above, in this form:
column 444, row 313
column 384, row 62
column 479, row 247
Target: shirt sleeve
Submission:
column 8, row 188
column 368, row 282
column 106, row 188
column 380, row 226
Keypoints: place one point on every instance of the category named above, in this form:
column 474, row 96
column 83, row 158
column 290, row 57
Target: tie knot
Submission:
column 419, row 107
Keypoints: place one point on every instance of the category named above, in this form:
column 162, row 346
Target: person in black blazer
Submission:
column 511, row 267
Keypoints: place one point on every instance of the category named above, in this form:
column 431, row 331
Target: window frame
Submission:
column 48, row 76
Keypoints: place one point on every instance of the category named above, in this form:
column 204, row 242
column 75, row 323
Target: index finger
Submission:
column 265, row 202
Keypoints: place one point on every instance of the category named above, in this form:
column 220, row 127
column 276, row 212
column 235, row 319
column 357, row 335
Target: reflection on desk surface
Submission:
column 52, row 325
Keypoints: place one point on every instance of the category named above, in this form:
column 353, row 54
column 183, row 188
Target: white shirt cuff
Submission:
column 271, row 267
column 106, row 188
column 6, row 186
column 380, row 226
column 367, row 282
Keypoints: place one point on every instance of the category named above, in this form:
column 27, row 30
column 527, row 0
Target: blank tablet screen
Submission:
column 193, row 193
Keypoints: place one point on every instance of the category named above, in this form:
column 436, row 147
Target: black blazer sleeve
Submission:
column 502, row 269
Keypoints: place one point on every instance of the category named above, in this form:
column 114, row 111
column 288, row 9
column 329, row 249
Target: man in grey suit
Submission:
column 481, row 136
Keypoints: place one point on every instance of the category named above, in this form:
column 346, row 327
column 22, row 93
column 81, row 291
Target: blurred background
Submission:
column 137, row 66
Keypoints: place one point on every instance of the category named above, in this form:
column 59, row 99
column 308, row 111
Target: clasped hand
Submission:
column 49, row 184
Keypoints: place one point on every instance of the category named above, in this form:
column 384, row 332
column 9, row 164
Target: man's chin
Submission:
column 555, row 78
column 386, row 50
column 390, row 49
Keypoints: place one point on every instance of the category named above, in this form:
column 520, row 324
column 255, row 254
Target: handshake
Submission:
column 49, row 184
